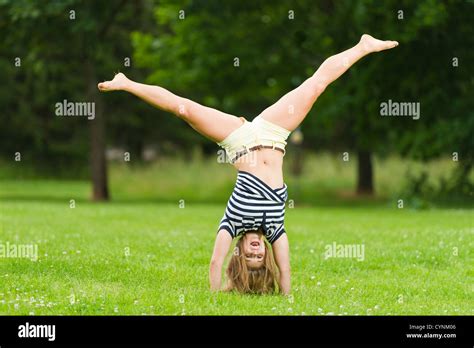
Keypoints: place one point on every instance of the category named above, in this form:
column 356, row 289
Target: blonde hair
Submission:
column 241, row 278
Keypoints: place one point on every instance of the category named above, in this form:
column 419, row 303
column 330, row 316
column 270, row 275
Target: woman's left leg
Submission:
column 291, row 109
column 213, row 124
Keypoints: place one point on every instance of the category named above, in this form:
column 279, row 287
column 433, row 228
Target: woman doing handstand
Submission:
column 255, row 212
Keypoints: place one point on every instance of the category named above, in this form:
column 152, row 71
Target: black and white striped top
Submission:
column 253, row 205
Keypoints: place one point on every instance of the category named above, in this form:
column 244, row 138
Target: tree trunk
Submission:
column 100, row 191
column 298, row 161
column 365, row 180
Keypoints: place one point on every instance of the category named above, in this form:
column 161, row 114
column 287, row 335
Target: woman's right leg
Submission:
column 211, row 123
column 291, row 109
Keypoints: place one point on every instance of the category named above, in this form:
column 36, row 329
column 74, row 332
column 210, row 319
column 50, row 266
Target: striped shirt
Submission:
column 254, row 205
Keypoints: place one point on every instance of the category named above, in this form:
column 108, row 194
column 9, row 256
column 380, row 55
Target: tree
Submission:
column 64, row 48
column 238, row 57
column 242, row 57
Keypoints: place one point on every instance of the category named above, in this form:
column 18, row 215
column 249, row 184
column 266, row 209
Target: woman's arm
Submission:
column 281, row 251
column 221, row 248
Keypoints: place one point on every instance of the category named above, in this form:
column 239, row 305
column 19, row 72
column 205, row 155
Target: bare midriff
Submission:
column 266, row 164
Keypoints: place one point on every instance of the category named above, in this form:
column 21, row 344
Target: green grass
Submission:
column 416, row 261
column 410, row 265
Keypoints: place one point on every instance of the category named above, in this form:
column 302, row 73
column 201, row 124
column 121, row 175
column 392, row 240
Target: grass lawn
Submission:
column 124, row 258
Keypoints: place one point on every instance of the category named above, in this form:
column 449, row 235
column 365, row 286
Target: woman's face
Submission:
column 254, row 249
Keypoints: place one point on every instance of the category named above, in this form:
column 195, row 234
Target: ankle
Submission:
column 127, row 85
column 363, row 47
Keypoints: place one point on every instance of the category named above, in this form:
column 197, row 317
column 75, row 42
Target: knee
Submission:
column 316, row 87
column 183, row 109
column 321, row 87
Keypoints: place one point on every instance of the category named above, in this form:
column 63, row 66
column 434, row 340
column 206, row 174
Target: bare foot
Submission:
column 118, row 83
column 371, row 44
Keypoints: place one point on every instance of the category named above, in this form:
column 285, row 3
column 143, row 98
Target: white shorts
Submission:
column 253, row 135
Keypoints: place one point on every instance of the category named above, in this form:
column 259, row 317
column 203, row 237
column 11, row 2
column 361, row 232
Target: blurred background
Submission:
column 238, row 57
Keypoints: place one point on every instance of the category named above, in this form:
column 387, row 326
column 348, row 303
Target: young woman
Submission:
column 260, row 262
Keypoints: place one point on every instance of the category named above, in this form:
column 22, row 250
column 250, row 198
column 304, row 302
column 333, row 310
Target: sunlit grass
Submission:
column 326, row 179
column 133, row 258
column 143, row 254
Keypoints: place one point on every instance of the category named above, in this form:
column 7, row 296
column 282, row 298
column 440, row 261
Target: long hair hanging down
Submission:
column 263, row 280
